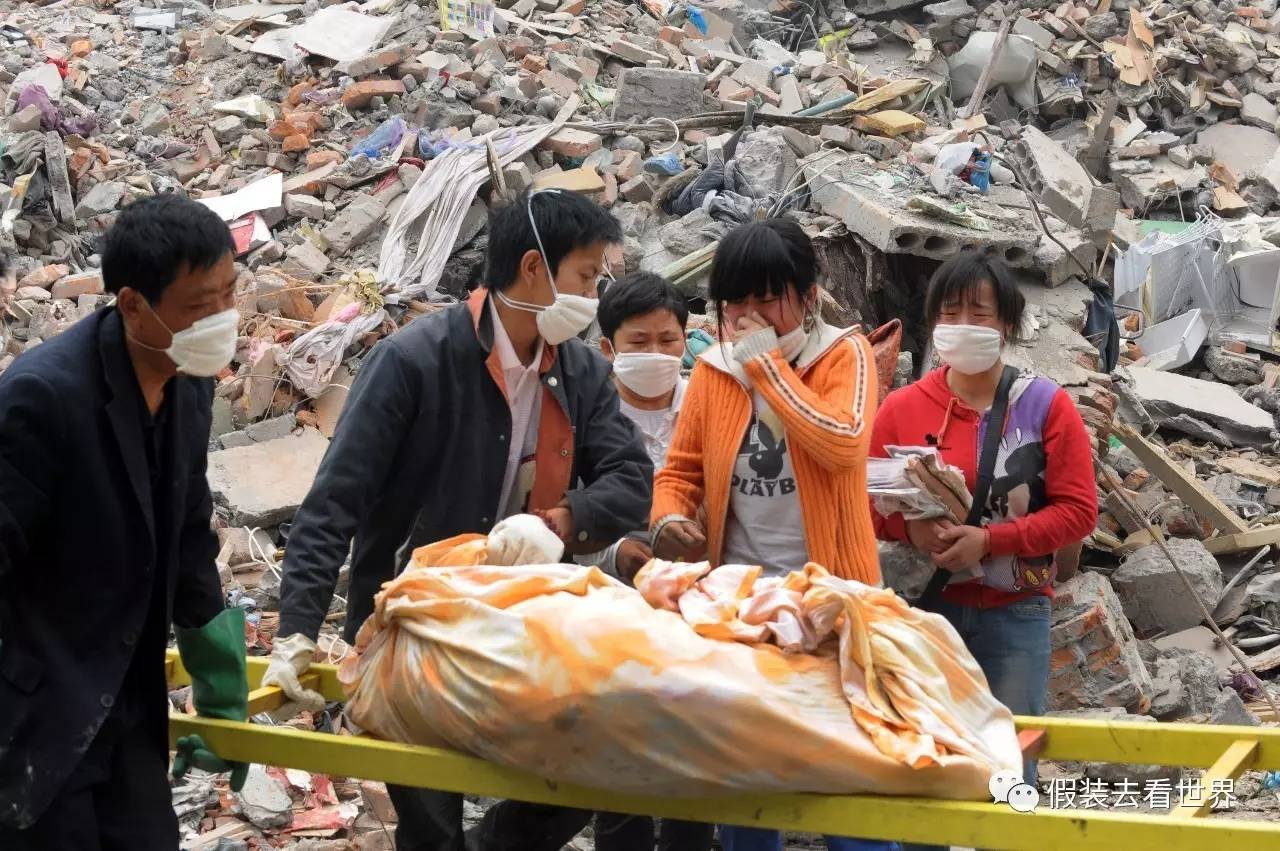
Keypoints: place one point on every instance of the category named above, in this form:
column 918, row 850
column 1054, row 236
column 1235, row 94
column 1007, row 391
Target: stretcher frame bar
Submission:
column 1225, row 751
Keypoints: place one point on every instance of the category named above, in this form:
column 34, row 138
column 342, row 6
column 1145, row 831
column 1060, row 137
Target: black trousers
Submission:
column 620, row 832
column 116, row 799
column 432, row 821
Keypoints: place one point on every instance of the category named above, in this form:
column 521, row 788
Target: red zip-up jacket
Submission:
column 928, row 413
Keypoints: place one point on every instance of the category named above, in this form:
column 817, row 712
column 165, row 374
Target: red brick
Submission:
column 294, row 98
column 572, row 143
column 319, row 159
column 533, row 63
column 81, row 48
column 671, row 35
column 359, row 94
column 295, row 143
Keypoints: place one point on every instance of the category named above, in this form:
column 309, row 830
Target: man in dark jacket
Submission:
column 473, row 414
column 105, row 540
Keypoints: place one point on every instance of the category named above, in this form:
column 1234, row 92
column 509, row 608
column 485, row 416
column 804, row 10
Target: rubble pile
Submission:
column 1107, row 152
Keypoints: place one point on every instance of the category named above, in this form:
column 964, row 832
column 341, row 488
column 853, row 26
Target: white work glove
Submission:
column 523, row 539
column 290, row 658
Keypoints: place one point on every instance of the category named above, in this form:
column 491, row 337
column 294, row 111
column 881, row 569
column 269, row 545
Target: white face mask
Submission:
column 969, row 349
column 568, row 315
column 649, row 375
column 204, row 349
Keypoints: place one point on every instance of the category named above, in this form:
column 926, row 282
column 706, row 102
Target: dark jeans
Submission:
column 1011, row 645
column 430, row 820
column 620, row 832
column 116, row 799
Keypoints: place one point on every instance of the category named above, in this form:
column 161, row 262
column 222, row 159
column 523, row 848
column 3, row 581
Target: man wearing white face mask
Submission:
column 471, row 415
column 108, row 424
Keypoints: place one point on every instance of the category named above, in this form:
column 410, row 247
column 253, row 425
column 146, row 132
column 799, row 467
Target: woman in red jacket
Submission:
column 1042, row 496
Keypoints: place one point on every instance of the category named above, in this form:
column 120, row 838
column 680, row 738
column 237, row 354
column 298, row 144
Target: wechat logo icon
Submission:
column 1007, row 788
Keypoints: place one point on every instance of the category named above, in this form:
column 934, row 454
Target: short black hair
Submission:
column 566, row 222
column 637, row 294
column 961, row 276
column 761, row 258
column 153, row 239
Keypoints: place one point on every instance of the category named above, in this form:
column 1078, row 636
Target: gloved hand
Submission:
column 290, row 658
column 523, row 539
column 214, row 656
column 193, row 752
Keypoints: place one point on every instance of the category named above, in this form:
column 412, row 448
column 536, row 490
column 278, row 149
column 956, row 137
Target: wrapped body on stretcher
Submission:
column 696, row 682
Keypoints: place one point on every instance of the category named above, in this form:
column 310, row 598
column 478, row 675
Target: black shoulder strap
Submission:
column 986, row 472
column 991, row 447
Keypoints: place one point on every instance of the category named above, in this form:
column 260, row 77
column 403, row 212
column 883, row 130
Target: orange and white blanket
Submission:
column 696, row 682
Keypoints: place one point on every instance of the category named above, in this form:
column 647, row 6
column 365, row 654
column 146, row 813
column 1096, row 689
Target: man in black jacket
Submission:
column 105, row 539
column 473, row 414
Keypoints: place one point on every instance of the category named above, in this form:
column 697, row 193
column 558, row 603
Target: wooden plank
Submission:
column 1241, row 755
column 1182, row 483
column 893, row 123
column 1261, row 663
column 1251, row 540
column 886, row 93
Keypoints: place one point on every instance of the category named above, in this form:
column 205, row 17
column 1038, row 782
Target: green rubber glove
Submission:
column 214, row 656
column 192, row 752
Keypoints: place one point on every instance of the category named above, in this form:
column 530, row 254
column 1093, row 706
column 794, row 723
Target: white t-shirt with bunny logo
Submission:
column 765, row 525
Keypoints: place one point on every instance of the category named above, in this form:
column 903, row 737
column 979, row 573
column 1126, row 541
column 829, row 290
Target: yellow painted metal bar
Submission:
column 982, row 825
column 1191, row 745
column 1230, row 765
column 1077, row 739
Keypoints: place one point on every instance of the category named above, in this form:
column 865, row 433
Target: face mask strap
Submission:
column 537, row 237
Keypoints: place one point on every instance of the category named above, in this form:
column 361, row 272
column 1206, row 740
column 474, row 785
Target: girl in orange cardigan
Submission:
column 772, row 439
column 776, row 424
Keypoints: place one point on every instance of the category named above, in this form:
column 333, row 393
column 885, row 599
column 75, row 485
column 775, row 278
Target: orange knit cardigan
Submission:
column 826, row 403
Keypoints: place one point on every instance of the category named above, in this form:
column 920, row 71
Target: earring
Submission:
column 809, row 322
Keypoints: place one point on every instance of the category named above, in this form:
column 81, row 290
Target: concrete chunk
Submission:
column 305, row 261
column 1154, row 597
column 1167, row 394
column 102, row 198
column 1055, row 176
column 263, row 485
column 354, row 225
column 658, row 93
column 1259, row 112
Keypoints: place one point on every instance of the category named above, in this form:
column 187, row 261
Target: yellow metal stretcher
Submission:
column 1226, row 752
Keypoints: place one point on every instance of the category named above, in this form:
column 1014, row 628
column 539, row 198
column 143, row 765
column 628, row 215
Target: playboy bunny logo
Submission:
column 766, row 460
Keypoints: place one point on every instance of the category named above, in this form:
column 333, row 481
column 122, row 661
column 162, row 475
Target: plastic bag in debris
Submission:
column 313, row 358
column 387, row 135
column 696, row 682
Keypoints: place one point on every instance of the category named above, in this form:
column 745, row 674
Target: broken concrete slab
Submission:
column 1257, row 111
column 658, row 93
column 1169, row 394
column 1154, row 597
column 1055, row 176
column 263, row 485
column 1239, row 147
column 305, row 261
column 102, row 198
column 354, row 225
